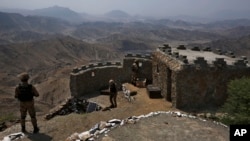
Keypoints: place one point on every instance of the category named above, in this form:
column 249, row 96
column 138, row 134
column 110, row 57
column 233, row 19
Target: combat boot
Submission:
column 24, row 129
column 36, row 130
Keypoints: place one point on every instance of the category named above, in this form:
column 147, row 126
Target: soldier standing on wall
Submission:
column 25, row 92
column 113, row 93
column 135, row 70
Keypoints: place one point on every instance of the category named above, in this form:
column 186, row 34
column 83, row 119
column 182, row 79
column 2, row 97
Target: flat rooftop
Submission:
column 194, row 55
column 207, row 55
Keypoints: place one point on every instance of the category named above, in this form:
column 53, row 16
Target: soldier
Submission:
column 113, row 93
column 25, row 92
column 135, row 70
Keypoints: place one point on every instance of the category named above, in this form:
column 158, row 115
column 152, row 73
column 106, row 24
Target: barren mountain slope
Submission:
column 49, row 63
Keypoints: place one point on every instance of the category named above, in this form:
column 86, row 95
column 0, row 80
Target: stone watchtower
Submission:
column 195, row 78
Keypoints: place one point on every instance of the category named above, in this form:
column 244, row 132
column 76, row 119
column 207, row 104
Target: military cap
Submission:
column 24, row 76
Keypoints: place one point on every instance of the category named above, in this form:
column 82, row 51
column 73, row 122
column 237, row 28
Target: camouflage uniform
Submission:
column 113, row 94
column 135, row 70
column 25, row 92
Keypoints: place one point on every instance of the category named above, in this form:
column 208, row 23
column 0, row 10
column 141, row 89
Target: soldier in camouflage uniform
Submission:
column 25, row 92
column 113, row 94
column 135, row 70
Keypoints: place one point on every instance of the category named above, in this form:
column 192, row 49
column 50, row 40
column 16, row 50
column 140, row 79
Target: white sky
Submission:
column 141, row 7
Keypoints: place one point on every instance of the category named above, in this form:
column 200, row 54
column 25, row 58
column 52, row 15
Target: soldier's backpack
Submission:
column 26, row 93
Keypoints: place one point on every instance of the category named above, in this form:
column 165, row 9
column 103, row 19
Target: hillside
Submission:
column 14, row 22
column 49, row 63
column 50, row 54
column 240, row 46
column 18, row 28
column 59, row 12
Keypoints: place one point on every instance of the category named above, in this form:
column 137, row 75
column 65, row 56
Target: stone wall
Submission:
column 164, row 74
column 95, row 77
column 198, row 83
column 205, row 88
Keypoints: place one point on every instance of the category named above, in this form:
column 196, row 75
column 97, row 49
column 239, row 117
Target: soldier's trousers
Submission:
column 112, row 99
column 28, row 106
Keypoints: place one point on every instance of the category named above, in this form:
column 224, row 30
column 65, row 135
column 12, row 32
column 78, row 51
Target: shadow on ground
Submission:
column 39, row 137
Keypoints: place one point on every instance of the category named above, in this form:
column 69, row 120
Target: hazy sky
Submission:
column 141, row 7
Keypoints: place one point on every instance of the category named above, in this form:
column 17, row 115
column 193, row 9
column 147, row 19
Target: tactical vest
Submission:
column 113, row 88
column 26, row 93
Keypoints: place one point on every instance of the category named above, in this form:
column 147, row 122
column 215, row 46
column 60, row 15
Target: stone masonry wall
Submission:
column 205, row 88
column 196, row 85
column 95, row 77
column 164, row 70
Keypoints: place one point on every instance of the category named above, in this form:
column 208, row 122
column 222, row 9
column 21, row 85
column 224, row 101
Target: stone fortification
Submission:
column 196, row 78
column 95, row 77
column 190, row 78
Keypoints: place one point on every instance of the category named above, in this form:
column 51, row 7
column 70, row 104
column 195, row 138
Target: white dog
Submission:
column 126, row 93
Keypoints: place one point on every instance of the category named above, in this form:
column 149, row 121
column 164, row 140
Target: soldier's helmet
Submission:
column 24, row 76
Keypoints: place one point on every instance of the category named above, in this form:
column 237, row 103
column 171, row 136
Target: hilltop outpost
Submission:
column 189, row 78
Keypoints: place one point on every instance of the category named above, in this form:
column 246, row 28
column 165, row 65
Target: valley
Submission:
column 48, row 48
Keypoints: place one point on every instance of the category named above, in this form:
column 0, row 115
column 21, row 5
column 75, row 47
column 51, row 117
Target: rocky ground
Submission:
column 162, row 127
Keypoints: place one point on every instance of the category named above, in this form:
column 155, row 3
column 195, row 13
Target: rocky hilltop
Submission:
column 49, row 48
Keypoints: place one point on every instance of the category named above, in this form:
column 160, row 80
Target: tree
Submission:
column 237, row 105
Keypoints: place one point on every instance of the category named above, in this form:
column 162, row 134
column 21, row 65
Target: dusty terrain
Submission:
column 61, row 127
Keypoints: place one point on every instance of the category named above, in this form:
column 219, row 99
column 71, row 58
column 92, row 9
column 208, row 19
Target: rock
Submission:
column 102, row 125
column 91, row 139
column 122, row 122
column 6, row 139
column 131, row 121
column 103, row 130
column 141, row 116
column 93, row 130
column 73, row 137
column 178, row 114
column 96, row 133
column 116, row 121
column 14, row 136
column 84, row 136
column 149, row 115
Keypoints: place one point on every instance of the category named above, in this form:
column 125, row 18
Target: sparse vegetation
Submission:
column 238, row 102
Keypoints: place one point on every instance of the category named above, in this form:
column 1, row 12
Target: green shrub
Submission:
column 237, row 105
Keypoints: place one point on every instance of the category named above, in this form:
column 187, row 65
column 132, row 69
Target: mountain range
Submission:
column 121, row 16
column 61, row 42
column 16, row 27
column 49, row 42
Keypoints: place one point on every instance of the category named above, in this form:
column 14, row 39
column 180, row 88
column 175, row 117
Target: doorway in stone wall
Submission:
column 169, row 85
